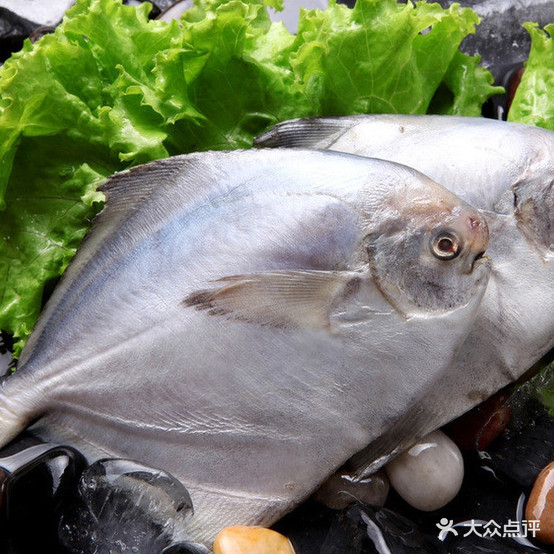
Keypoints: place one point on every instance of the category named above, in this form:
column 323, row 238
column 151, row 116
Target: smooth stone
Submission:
column 40, row 485
column 478, row 428
column 428, row 475
column 540, row 505
column 483, row 497
column 125, row 506
column 316, row 529
column 340, row 490
column 251, row 540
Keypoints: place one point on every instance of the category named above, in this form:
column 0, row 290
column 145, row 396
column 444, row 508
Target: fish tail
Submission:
column 14, row 413
column 10, row 425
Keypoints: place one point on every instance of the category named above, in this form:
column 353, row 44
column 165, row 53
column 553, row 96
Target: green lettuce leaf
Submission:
column 533, row 102
column 541, row 384
column 110, row 89
column 387, row 57
column 465, row 87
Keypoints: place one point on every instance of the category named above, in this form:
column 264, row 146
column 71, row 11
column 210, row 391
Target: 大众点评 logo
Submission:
column 513, row 528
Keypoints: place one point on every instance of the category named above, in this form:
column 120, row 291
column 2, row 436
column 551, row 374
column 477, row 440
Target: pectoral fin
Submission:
column 280, row 299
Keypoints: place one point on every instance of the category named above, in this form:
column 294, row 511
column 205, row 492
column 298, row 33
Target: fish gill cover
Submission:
column 110, row 89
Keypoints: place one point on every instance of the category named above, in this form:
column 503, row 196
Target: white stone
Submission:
column 428, row 475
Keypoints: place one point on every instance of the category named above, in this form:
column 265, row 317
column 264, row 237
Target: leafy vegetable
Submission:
column 533, row 102
column 541, row 385
column 111, row 89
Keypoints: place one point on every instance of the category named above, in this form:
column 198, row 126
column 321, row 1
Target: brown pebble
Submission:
column 478, row 428
column 515, row 80
column 540, row 505
column 251, row 540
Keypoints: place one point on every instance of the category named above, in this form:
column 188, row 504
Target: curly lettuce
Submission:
column 110, row 89
column 533, row 102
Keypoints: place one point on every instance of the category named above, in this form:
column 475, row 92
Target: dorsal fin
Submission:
column 142, row 200
column 127, row 192
column 316, row 132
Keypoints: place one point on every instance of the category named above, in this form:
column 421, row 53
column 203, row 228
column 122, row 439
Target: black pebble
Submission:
column 527, row 445
column 124, row 506
column 33, row 498
column 185, row 548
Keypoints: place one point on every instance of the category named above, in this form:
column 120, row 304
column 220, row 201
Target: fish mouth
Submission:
column 478, row 256
column 481, row 266
column 472, row 263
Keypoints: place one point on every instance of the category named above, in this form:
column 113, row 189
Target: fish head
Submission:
column 516, row 312
column 428, row 252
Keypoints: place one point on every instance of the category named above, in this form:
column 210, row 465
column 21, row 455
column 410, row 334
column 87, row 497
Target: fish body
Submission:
column 507, row 171
column 249, row 320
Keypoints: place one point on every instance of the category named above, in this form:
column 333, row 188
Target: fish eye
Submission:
column 445, row 245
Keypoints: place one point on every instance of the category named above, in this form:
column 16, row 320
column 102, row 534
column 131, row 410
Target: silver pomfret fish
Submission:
column 249, row 320
column 506, row 170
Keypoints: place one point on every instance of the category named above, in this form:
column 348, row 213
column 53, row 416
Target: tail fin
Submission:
column 15, row 414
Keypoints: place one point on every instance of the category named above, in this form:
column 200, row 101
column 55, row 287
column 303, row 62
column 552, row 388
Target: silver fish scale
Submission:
column 223, row 321
column 504, row 169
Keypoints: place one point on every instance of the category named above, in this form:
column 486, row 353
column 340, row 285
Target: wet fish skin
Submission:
column 507, row 171
column 228, row 320
column 495, row 155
